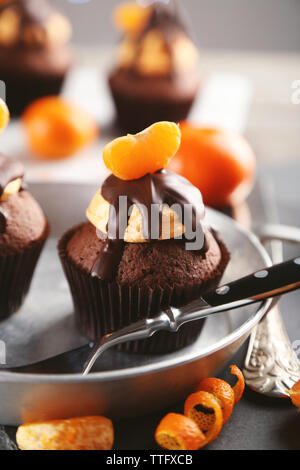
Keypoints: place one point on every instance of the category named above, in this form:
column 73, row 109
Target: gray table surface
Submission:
column 257, row 422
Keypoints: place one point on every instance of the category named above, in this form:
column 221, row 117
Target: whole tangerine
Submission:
column 219, row 162
column 57, row 128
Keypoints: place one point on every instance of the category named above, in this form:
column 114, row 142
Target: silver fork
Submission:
column 268, row 283
column 271, row 365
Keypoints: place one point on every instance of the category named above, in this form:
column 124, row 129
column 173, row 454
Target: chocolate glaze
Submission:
column 168, row 20
column 159, row 189
column 9, row 170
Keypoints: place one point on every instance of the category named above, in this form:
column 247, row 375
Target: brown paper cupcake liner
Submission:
column 16, row 272
column 23, row 90
column 101, row 307
column 135, row 114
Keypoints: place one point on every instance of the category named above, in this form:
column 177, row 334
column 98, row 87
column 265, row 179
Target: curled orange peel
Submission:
column 294, row 394
column 178, row 432
column 205, row 409
column 239, row 387
column 222, row 391
column 209, row 408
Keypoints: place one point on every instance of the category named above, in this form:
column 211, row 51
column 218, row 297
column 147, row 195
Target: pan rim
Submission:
column 123, row 374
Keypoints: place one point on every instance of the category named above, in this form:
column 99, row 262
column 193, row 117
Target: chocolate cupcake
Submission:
column 23, row 231
column 138, row 254
column 34, row 51
column 156, row 76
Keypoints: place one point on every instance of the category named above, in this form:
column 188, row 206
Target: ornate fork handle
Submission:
column 271, row 365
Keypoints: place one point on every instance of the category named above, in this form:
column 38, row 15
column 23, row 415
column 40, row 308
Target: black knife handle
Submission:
column 264, row 283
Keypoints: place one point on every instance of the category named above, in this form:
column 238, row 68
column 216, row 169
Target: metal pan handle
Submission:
column 283, row 233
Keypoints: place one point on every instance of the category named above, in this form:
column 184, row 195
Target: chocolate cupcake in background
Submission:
column 156, row 77
column 34, row 52
column 123, row 265
column 23, row 232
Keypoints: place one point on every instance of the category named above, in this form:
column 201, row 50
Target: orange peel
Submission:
column 294, row 394
column 205, row 409
column 86, row 433
column 222, row 391
column 133, row 156
column 178, row 432
column 239, row 387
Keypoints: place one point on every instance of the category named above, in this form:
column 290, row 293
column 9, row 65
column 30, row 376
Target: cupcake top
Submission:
column 11, row 175
column 32, row 24
column 22, row 221
column 141, row 201
column 156, row 41
column 11, row 171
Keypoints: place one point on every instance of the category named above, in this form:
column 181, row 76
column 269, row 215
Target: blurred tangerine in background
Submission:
column 57, row 128
column 130, row 17
column 4, row 115
column 219, row 162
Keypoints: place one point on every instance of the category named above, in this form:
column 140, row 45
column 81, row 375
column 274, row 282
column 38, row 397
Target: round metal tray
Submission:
column 123, row 385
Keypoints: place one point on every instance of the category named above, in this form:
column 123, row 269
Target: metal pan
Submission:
column 123, row 385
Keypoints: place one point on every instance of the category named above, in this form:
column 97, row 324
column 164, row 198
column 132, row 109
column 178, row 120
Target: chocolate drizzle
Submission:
column 168, row 19
column 149, row 194
column 9, row 170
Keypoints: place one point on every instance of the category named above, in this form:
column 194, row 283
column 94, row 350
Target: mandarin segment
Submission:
column 239, row 387
column 205, row 409
column 57, row 128
column 178, row 432
column 4, row 115
column 130, row 17
column 133, row 156
column 222, row 391
column 86, row 433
